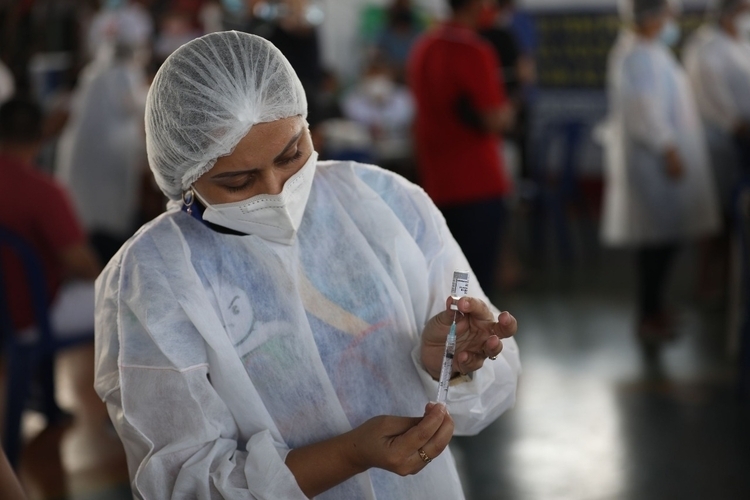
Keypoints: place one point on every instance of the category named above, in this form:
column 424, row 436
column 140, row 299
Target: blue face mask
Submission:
column 670, row 33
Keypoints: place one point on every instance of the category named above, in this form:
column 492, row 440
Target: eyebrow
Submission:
column 238, row 173
column 289, row 145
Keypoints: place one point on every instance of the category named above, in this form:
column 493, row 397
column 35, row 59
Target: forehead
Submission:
column 264, row 141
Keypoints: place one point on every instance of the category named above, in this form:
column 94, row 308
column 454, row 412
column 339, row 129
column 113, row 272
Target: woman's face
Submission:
column 260, row 164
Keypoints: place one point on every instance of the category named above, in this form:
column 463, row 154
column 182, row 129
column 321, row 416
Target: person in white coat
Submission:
column 278, row 332
column 101, row 152
column 717, row 59
column 659, row 190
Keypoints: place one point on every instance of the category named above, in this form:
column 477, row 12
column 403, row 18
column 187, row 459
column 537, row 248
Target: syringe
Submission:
column 459, row 289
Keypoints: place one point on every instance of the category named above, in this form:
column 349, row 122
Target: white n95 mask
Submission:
column 273, row 217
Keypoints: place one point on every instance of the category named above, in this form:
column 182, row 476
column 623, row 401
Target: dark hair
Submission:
column 646, row 9
column 457, row 5
column 21, row 121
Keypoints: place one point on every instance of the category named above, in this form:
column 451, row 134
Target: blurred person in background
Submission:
column 515, row 45
column 101, row 152
column 211, row 17
column 386, row 108
column 37, row 208
column 398, row 36
column 175, row 29
column 294, row 32
column 127, row 21
column 519, row 75
column 659, row 192
column 717, row 60
column 462, row 111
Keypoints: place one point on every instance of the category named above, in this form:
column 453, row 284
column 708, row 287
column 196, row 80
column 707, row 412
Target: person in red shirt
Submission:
column 37, row 208
column 462, row 110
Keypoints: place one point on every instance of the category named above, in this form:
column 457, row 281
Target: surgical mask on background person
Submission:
column 378, row 87
column 742, row 23
column 273, row 217
column 670, row 33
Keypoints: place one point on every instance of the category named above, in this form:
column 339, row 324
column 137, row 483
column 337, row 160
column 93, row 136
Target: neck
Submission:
column 25, row 153
column 727, row 26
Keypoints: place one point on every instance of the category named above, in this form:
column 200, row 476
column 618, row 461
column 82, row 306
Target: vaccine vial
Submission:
column 460, row 287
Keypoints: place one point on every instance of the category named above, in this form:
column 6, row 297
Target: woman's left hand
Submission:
column 478, row 336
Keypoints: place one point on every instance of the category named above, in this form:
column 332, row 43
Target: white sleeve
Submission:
column 713, row 95
column 179, row 436
column 643, row 102
column 473, row 404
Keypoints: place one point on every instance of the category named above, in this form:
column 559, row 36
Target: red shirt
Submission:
column 457, row 164
column 36, row 208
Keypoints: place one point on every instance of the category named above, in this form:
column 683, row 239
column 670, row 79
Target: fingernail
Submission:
column 505, row 319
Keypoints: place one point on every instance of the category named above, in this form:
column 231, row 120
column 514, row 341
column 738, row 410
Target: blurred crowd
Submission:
column 89, row 64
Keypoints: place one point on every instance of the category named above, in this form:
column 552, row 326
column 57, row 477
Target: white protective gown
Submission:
column 652, row 107
column 719, row 70
column 217, row 354
column 101, row 152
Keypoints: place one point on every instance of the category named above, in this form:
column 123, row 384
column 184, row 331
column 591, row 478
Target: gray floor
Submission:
column 595, row 418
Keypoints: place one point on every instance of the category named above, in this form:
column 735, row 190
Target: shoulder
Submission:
column 466, row 41
column 153, row 244
column 640, row 60
column 383, row 182
column 385, row 190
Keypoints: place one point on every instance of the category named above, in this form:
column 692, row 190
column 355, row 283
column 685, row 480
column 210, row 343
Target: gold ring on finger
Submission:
column 424, row 456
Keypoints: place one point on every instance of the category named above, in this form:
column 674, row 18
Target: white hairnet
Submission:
column 206, row 97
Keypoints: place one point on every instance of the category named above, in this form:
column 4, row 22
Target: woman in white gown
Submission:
column 660, row 191
column 278, row 332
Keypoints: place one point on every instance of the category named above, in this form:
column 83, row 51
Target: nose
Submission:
column 275, row 181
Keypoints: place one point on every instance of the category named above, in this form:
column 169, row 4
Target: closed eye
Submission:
column 239, row 182
column 286, row 161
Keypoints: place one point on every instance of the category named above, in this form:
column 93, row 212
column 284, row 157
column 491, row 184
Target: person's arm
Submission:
column 499, row 120
column 485, row 90
column 80, row 262
column 386, row 442
column 643, row 111
column 473, row 402
column 60, row 230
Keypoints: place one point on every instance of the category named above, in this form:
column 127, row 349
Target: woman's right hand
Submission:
column 386, row 442
column 393, row 443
